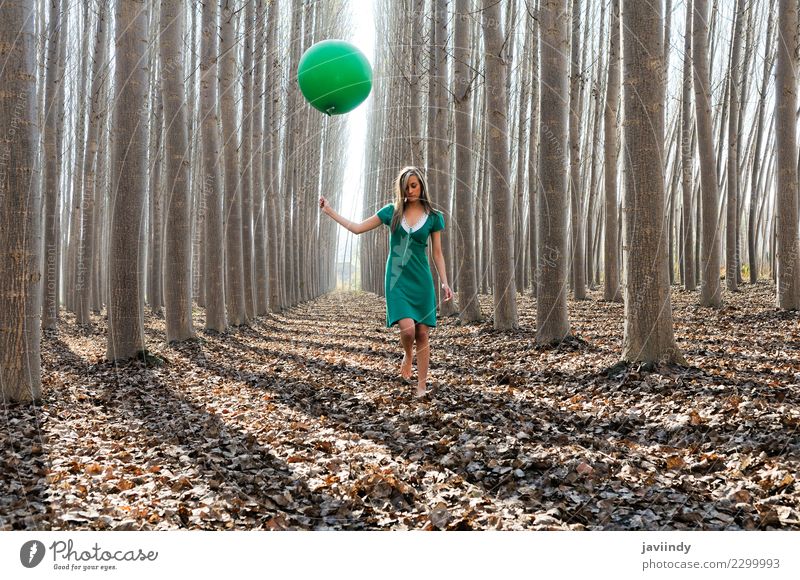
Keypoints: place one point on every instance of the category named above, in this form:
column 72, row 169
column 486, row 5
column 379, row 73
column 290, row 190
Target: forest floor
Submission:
column 301, row 422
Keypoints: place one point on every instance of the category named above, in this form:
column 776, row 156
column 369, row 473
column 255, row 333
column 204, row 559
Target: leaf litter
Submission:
column 301, row 422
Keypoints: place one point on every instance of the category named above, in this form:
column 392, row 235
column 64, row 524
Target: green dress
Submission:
column 409, row 282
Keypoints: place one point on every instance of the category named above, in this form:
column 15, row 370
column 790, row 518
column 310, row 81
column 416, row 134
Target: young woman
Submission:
column 410, row 295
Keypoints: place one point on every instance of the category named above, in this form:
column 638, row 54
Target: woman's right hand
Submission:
column 323, row 204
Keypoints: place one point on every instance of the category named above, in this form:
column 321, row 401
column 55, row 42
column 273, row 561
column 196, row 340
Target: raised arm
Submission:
column 357, row 228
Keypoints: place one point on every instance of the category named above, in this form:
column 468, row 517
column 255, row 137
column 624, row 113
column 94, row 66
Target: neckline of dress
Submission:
column 423, row 216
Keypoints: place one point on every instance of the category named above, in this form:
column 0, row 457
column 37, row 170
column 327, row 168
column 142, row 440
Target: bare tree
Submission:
column 76, row 206
column 757, row 169
column 261, row 265
column 214, row 242
column 53, row 152
column 551, row 272
column 576, row 201
column 438, row 150
column 125, row 307
column 463, row 82
column 155, row 151
column 611, row 289
column 732, row 212
column 178, row 257
column 533, row 149
column 503, row 283
column 786, row 147
column 20, row 219
column 687, row 187
column 246, row 160
column 648, row 312
column 272, row 119
column 97, row 113
column 234, row 265
column 709, row 289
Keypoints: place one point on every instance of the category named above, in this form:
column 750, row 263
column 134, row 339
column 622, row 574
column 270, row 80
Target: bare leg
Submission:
column 423, row 357
column 407, row 341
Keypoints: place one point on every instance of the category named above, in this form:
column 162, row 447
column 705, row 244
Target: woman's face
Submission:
column 413, row 188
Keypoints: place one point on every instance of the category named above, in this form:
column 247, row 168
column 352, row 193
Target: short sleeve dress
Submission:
column 409, row 282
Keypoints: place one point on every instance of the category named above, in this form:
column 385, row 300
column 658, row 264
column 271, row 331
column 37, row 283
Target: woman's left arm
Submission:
column 438, row 256
column 438, row 261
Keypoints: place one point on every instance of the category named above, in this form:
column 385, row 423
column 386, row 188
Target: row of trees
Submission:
column 551, row 142
column 179, row 166
column 159, row 152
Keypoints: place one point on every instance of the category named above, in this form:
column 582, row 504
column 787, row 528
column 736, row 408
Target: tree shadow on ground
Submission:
column 415, row 435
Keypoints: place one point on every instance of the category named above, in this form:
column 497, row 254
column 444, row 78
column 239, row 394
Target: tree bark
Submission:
column 177, row 261
column 687, row 186
column 126, row 306
column 533, row 152
column 272, row 186
column 504, row 288
column 246, row 161
column 92, row 159
column 732, row 213
column 234, row 263
column 788, row 273
column 214, row 242
column 756, row 170
column 611, row 290
column 576, row 198
column 648, row 332
column 53, row 132
column 551, row 269
column 710, row 294
column 20, row 218
column 463, row 83
column 261, row 267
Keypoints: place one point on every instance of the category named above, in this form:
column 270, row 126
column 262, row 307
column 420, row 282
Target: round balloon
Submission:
column 334, row 76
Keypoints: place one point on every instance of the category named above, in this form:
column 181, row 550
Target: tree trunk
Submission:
column 732, row 213
column 687, row 236
column 82, row 79
column 246, row 162
column 439, row 144
column 595, row 106
column 214, row 242
column 551, row 270
column 96, row 116
column 155, row 294
column 272, row 185
column 788, row 273
column 177, row 261
column 53, row 130
column 261, row 267
column 234, row 264
column 752, row 232
column 576, row 198
column 709, row 290
column 648, row 332
column 463, row 79
column 533, row 153
column 20, row 218
column 611, row 290
column 126, row 307
column 504, row 288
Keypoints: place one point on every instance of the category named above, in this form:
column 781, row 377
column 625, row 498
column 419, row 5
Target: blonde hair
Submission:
column 400, row 183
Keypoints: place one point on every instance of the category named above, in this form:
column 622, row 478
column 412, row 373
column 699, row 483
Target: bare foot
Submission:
column 405, row 367
column 421, row 392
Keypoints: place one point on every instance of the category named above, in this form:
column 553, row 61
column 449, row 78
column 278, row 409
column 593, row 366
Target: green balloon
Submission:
column 334, row 76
